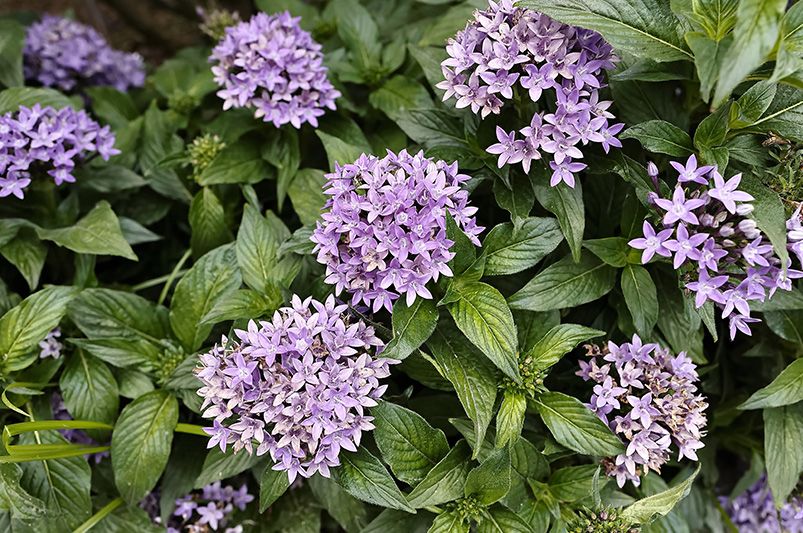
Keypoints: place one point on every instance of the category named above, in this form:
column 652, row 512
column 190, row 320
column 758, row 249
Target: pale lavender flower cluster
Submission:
column 794, row 235
column 648, row 397
column 706, row 227
column 208, row 509
column 506, row 47
column 51, row 346
column 270, row 64
column 66, row 54
column 754, row 511
column 74, row 436
column 296, row 386
column 385, row 231
column 47, row 140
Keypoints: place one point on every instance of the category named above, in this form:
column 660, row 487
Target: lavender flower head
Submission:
column 508, row 48
column 754, row 511
column 50, row 346
column 648, row 397
column 50, row 141
column 270, row 64
column 719, row 250
column 208, row 509
column 385, row 231
column 62, row 53
column 296, row 386
column 794, row 236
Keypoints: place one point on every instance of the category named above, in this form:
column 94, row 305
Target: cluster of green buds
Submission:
column 602, row 520
column 172, row 356
column 202, row 151
column 532, row 378
column 787, row 173
column 215, row 22
column 468, row 509
column 183, row 103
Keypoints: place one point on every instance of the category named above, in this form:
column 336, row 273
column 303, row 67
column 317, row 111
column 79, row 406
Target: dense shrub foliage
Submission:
column 406, row 266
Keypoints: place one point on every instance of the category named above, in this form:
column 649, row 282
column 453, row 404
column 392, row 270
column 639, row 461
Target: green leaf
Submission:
column 258, row 242
column 24, row 326
column 465, row 252
column 412, row 326
column 109, row 178
column 510, row 248
column 12, row 40
column 516, row 198
column 641, row 298
column 557, row 342
column 141, row 443
column 713, row 130
column 566, row 204
column 753, row 103
column 221, row 465
column 236, row 163
column 364, row 477
column 643, row 28
column 11, row 99
column 433, row 127
column 306, row 193
column 136, row 233
column 500, row 519
column 769, row 214
column 755, row 34
column 611, row 250
column 89, row 389
column 483, row 316
column 471, row 374
column 97, row 233
column 663, row 502
column 790, row 44
column 783, row 427
column 449, row 522
column 490, row 481
column 660, row 137
column 209, row 281
column 13, row 497
column 243, row 304
column 566, row 284
column 785, row 115
column 407, row 442
column 110, row 314
column 208, row 223
column 113, row 107
column 572, row 483
column 398, row 95
column 28, row 254
column 446, row 481
column 708, row 55
column 786, row 389
column 283, row 152
column 349, row 512
column 510, row 418
column 574, row 425
column 272, row 485
column 360, row 33
column 337, row 150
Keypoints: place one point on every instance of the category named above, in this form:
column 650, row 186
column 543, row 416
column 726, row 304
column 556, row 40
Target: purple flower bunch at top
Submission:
column 506, row 47
column 208, row 509
column 707, row 232
column 753, row 511
column 648, row 397
column 50, row 346
column 75, row 436
column 47, row 140
column 296, row 386
column 385, row 231
column 62, row 53
column 270, row 64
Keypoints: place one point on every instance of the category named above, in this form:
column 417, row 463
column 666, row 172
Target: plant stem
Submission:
column 191, row 429
column 105, row 511
column 166, row 288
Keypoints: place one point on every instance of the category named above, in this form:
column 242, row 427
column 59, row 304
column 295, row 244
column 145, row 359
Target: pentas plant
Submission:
column 37, row 141
column 794, row 236
column 296, row 386
column 273, row 66
column 384, row 231
column 754, row 510
column 51, row 346
column 66, row 54
column 508, row 50
column 648, row 397
column 721, row 253
column 208, row 509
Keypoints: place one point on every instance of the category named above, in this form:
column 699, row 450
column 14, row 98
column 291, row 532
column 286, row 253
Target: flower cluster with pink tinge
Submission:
column 384, row 233
column 48, row 141
column 648, row 397
column 210, row 508
column 273, row 66
column 753, row 511
column 506, row 48
column 706, row 230
column 296, row 386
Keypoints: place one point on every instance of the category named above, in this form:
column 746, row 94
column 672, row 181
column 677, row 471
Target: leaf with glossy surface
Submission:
column 510, row 418
column 207, row 222
column 349, row 512
column 575, row 426
column 510, row 248
column 238, row 163
column 566, row 204
column 663, row 502
column 12, row 39
column 661, row 137
column 412, row 326
column 786, row 389
column 14, row 498
column 641, row 298
column 272, row 485
column 110, row 314
column 258, row 242
column 557, row 342
column 769, row 213
column 221, row 465
column 783, row 427
column 364, row 477
column 89, row 389
column 500, row 519
column 490, row 481
column 446, row 481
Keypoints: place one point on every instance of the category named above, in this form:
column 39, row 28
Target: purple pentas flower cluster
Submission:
column 648, row 397
column 794, row 235
column 385, row 230
column 506, row 49
column 44, row 140
column 296, row 386
column 753, row 511
column 706, row 230
column 66, row 54
column 270, row 64
column 51, row 346
column 208, row 509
